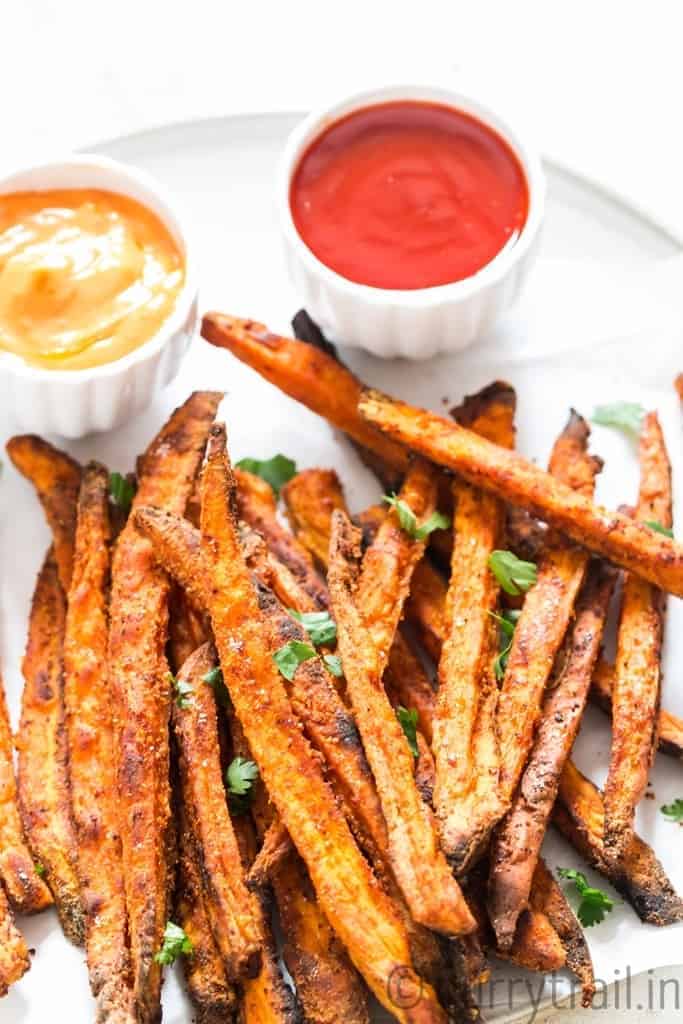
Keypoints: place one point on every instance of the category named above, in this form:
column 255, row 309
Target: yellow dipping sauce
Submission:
column 85, row 276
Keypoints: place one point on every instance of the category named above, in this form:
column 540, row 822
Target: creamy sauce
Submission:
column 85, row 277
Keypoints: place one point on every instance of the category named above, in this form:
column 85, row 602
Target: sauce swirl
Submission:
column 408, row 195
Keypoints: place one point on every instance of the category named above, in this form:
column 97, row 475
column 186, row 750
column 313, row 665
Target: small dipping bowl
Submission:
column 73, row 403
column 414, row 323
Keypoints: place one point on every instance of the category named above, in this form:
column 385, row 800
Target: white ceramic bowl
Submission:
column 72, row 403
column 420, row 323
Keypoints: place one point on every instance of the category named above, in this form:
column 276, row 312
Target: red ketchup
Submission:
column 408, row 195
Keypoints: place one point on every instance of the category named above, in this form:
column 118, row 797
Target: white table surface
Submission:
column 599, row 84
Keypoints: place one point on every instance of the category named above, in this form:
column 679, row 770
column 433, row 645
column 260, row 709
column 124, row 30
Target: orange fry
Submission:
column 669, row 726
column 14, row 955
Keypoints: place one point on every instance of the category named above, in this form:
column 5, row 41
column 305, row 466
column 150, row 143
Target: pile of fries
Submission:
column 349, row 732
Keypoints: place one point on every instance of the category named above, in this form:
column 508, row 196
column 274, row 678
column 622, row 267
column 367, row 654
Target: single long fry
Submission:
column 14, row 955
column 230, row 906
column 580, row 815
column 310, row 498
column 466, row 797
column 516, row 846
column 139, row 681
column 637, row 670
column 669, row 726
column 351, row 899
column 56, row 478
column 26, row 890
column 545, row 615
column 42, row 777
column 307, row 374
column 92, row 766
column 629, row 544
column 420, row 868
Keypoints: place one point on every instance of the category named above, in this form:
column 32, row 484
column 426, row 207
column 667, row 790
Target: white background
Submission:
column 601, row 83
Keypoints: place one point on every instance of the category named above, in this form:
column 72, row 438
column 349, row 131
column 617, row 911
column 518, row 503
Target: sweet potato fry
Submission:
column 140, row 688
column 42, row 778
column 420, row 868
column 275, row 848
column 580, row 815
column 353, row 902
column 466, row 798
column 230, row 906
column 637, row 670
column 256, row 506
column 56, row 478
column 426, row 608
column 310, row 498
column 92, row 768
column 14, row 955
column 545, row 615
column 26, row 890
column 669, row 726
column 516, row 846
column 613, row 535
column 307, row 374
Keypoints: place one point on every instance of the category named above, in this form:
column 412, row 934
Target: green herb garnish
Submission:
column 289, row 657
column 121, row 490
column 408, row 520
column 240, row 777
column 333, row 664
column 626, row 416
column 507, row 620
column 214, row 679
column 176, row 943
column 320, row 626
column 408, row 719
column 276, row 471
column 514, row 575
column 658, row 528
column 674, row 810
column 40, row 870
column 182, row 691
column 595, row 904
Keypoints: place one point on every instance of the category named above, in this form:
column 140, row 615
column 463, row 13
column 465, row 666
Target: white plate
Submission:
column 597, row 252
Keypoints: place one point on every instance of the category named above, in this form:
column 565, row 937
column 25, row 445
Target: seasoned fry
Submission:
column 637, row 670
column 212, row 994
column 426, row 608
column 26, row 890
column 310, row 498
column 42, row 778
column 275, row 848
column 669, row 726
column 546, row 614
column 256, row 506
column 56, row 478
column 14, row 955
column 629, row 544
column 580, row 815
column 466, row 798
column 420, row 868
column 309, row 375
column 351, row 899
column 92, row 771
column 140, row 688
column 230, row 906
column 516, row 846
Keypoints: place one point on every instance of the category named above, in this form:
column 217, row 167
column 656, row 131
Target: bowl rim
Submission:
column 493, row 271
column 163, row 204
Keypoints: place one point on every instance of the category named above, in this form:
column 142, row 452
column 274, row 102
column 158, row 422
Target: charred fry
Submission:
column 14, row 956
column 669, row 727
column 42, row 779
column 637, row 671
column 629, row 544
column 139, row 678
column 56, row 478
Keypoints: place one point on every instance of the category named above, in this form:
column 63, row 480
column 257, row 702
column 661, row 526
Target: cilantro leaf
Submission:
column 121, row 490
column 658, row 528
column 182, row 691
column 214, row 679
column 40, row 870
column 514, row 575
column 240, row 777
column 408, row 720
column 626, row 416
column 408, row 520
column 276, row 471
column 289, row 657
column 507, row 620
column 595, row 904
column 176, row 943
column 320, row 626
column 673, row 810
column 333, row 664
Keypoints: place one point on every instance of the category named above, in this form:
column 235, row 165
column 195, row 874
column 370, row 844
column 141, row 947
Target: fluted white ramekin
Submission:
column 420, row 323
column 72, row 403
